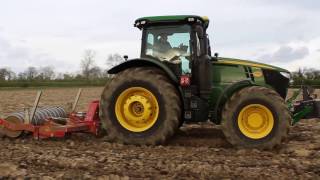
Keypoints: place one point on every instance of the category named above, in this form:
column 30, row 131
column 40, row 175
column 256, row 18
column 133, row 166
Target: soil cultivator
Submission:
column 51, row 121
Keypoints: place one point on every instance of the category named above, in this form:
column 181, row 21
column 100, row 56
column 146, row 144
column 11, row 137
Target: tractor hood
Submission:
column 224, row 60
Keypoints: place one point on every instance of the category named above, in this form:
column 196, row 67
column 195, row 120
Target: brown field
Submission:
column 196, row 152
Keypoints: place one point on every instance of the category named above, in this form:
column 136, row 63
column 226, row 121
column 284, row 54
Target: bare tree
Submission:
column 46, row 73
column 114, row 59
column 87, row 63
column 3, row 74
column 95, row 72
column 22, row 76
column 11, row 75
column 31, row 73
column 6, row 74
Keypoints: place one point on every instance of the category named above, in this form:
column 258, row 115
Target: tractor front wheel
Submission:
column 255, row 117
column 140, row 106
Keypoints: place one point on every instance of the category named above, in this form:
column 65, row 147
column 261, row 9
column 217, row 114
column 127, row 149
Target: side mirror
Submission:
column 216, row 55
column 125, row 57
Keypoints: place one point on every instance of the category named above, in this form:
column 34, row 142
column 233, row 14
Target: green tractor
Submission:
column 176, row 81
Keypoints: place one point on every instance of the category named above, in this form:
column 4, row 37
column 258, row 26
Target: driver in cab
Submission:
column 166, row 52
column 163, row 45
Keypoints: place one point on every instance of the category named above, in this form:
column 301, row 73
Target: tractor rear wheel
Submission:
column 140, row 106
column 255, row 117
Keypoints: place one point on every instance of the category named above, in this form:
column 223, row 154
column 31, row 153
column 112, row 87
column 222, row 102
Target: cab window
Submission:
column 169, row 43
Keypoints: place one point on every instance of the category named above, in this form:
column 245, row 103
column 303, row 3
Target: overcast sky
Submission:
column 56, row 32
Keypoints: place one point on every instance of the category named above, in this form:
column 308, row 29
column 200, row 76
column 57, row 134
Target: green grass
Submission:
column 55, row 83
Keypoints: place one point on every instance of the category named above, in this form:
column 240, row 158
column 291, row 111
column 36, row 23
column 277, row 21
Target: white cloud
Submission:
column 287, row 53
column 293, row 55
column 19, row 55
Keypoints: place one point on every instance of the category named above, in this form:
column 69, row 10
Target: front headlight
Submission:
column 286, row 74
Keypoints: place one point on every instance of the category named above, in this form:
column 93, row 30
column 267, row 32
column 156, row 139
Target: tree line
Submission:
column 89, row 70
column 31, row 73
column 306, row 76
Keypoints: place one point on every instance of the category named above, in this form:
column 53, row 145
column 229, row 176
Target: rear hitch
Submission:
column 307, row 108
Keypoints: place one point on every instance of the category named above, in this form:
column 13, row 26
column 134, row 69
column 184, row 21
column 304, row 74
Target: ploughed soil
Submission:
column 196, row 152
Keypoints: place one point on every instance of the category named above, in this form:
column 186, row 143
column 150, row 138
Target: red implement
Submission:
column 88, row 123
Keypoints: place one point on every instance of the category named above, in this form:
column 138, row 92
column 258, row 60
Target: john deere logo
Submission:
column 257, row 74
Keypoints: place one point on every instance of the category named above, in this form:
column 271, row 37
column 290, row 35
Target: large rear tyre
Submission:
column 255, row 117
column 140, row 106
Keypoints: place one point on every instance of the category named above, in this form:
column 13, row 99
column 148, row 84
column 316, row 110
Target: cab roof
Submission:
column 149, row 20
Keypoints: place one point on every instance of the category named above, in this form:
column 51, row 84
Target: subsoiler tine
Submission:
column 35, row 106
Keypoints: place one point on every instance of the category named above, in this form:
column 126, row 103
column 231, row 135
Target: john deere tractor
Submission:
column 177, row 81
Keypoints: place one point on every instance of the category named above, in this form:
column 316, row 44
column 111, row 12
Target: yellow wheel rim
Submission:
column 137, row 109
column 255, row 121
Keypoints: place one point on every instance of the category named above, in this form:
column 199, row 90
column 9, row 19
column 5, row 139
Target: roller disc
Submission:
column 10, row 133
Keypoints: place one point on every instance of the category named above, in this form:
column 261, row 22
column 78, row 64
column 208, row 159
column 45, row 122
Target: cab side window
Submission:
column 150, row 43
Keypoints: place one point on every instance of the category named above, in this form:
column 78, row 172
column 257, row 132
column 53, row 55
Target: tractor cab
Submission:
column 181, row 43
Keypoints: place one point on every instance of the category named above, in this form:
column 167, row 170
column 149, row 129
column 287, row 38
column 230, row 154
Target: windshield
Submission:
column 169, row 43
